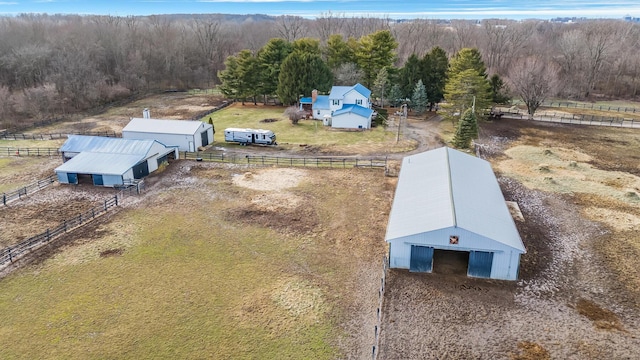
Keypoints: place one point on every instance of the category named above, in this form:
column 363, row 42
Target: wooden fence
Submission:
column 375, row 349
column 579, row 119
column 29, row 189
column 12, row 253
column 566, row 104
column 211, row 111
column 326, row 162
column 54, row 136
column 16, row 151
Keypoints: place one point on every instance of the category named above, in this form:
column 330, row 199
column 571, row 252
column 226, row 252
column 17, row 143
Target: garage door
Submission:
column 421, row 259
column 480, row 264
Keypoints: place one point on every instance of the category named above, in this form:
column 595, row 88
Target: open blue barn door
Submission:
column 421, row 259
column 480, row 263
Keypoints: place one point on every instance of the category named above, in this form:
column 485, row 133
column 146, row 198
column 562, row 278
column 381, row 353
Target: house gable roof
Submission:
column 445, row 188
column 160, row 126
column 339, row 92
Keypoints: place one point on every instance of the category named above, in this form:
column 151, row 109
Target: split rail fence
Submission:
column 375, row 349
column 54, row 136
column 29, row 189
column 16, row 151
column 609, row 108
column 326, row 162
column 12, row 253
column 579, row 119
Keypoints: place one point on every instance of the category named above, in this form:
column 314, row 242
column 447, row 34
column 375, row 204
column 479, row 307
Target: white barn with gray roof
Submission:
column 106, row 161
column 447, row 201
column 188, row 135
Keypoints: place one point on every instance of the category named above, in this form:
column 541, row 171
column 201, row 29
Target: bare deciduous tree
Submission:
column 533, row 81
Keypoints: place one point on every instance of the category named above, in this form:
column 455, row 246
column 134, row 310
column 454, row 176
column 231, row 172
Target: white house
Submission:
column 448, row 202
column 347, row 107
column 188, row 135
column 106, row 161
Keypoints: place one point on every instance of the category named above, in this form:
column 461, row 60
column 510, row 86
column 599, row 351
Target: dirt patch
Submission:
column 270, row 179
column 111, row 252
column 531, row 351
column 602, row 318
column 269, row 120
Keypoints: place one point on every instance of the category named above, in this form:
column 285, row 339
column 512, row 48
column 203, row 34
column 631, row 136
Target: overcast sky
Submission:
column 429, row 9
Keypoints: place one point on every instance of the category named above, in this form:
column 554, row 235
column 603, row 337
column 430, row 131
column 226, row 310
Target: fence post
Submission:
column 48, row 235
column 4, row 199
column 65, row 226
column 10, row 257
column 116, row 199
column 105, row 205
column 80, row 218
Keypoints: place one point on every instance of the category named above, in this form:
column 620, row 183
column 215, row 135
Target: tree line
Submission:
column 53, row 65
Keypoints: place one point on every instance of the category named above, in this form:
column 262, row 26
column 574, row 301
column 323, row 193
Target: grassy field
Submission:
column 210, row 270
column 16, row 172
column 309, row 132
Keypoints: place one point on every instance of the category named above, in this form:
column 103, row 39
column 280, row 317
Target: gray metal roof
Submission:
column 159, row 126
column 100, row 163
column 445, row 188
column 99, row 144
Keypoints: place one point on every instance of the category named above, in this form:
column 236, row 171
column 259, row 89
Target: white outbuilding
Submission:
column 448, row 202
column 188, row 135
column 107, row 161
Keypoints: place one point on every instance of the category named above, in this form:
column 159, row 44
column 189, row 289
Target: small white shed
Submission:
column 188, row 135
column 449, row 202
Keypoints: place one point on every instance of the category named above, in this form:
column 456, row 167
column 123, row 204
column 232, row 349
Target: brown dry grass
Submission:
column 531, row 351
column 602, row 318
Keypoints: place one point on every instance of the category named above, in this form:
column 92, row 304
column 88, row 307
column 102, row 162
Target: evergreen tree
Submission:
column 499, row 90
column 270, row 58
column 467, row 84
column 435, row 65
column 419, row 98
column 409, row 76
column 374, row 52
column 468, row 58
column 465, row 90
column 230, row 78
column 395, row 95
column 301, row 73
column 339, row 52
column 380, row 85
column 249, row 76
column 466, row 130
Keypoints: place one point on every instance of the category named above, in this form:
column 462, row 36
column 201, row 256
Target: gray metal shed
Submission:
column 447, row 200
column 188, row 135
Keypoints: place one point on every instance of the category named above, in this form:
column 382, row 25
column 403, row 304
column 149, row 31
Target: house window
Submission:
column 336, row 102
column 453, row 239
column 318, row 112
column 358, row 101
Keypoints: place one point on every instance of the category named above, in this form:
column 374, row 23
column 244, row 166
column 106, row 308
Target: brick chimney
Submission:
column 314, row 96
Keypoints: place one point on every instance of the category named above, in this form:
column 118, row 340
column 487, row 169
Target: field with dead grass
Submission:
column 212, row 262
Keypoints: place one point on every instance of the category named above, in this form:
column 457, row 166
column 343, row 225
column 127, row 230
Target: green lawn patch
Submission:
column 310, row 132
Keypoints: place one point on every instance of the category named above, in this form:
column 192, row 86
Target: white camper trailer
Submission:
column 250, row 136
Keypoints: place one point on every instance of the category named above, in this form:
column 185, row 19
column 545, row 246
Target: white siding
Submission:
column 111, row 180
column 128, row 175
column 353, row 96
column 319, row 114
column 350, row 121
column 505, row 259
column 63, row 178
column 182, row 141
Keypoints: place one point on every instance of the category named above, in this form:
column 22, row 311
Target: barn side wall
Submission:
column 349, row 121
column 180, row 140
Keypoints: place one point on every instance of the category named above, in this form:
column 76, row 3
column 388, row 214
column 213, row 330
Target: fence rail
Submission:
column 567, row 104
column 330, row 162
column 29, row 189
column 375, row 349
column 580, row 119
column 53, row 136
column 16, row 151
column 12, row 253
